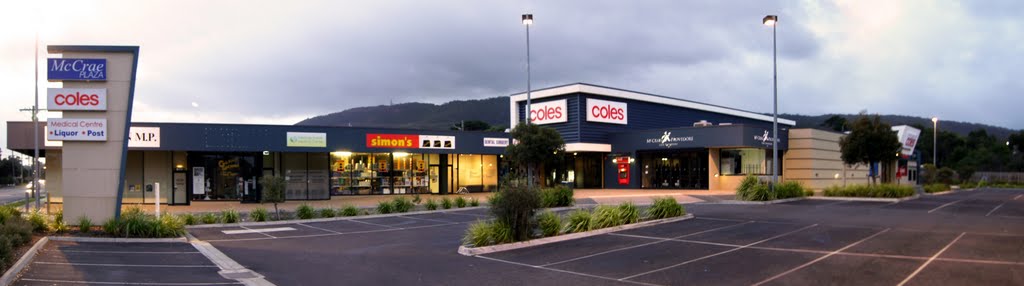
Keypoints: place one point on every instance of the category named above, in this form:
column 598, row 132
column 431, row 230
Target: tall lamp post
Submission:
column 528, row 21
column 935, row 141
column 772, row 20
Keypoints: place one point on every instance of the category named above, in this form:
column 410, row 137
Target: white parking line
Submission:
column 945, row 205
column 126, row 265
column 323, row 229
column 929, row 261
column 129, row 252
column 1017, row 197
column 564, row 271
column 334, row 234
column 716, row 254
column 994, row 209
column 425, row 219
column 257, row 230
column 458, row 213
column 821, row 258
column 657, row 240
column 374, row 224
column 125, row 283
column 271, row 236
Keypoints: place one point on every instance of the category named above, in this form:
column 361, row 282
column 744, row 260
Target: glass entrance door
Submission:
column 675, row 169
column 225, row 176
column 179, row 189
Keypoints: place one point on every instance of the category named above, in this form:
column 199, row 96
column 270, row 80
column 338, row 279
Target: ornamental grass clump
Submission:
column 384, row 207
column 629, row 213
column 549, row 223
column 305, row 211
column 446, row 203
column 84, row 224
column 258, row 214
column 349, row 211
column 460, row 202
column 328, row 212
column 604, row 217
column 209, row 218
column 938, row 187
column 135, row 223
column 579, row 221
column 665, row 208
column 430, row 205
column 189, row 219
column 230, row 216
column 38, row 221
column 559, row 196
column 474, row 202
column 483, row 233
column 401, row 205
column 516, row 206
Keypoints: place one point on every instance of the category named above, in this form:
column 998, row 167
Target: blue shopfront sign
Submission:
column 733, row 136
column 76, row 69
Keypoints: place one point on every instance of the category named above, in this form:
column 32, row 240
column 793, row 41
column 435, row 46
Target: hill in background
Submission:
column 495, row 111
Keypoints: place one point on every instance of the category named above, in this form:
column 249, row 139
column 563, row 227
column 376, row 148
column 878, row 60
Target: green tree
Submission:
column 536, row 148
column 870, row 140
column 836, row 123
column 273, row 192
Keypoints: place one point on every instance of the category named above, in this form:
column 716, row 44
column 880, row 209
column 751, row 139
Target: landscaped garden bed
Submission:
column 751, row 189
column 879, row 192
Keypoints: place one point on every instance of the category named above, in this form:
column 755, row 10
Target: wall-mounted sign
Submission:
column 83, row 129
column 76, row 99
column 392, row 140
column 606, row 111
column 306, row 139
column 144, row 137
column 76, row 69
column 549, row 112
column 437, row 142
column 667, row 140
column 495, row 142
column 908, row 137
column 765, row 139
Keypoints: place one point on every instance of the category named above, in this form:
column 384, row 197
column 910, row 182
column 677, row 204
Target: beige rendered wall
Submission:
column 94, row 167
column 54, row 174
column 814, row 160
column 715, row 181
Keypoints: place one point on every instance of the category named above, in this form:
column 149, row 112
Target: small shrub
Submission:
column 349, row 211
column 515, row 206
column 171, row 226
column 17, row 229
column 209, row 218
column 416, row 199
column 446, row 203
column 550, row 224
column 112, row 227
column 84, row 224
column 751, row 189
column 665, row 208
column 305, row 211
column 384, row 207
column 38, row 221
column 258, row 214
column 604, row 217
column 746, row 186
column 808, row 193
column 629, row 213
column 328, row 212
column 579, row 221
column 876, row 191
column 6, row 252
column 473, row 202
column 460, row 202
column 135, row 223
column 560, row 196
column 935, row 188
column 230, row 216
column 502, row 232
column 431, row 204
column 401, row 205
column 479, row 234
column 789, row 189
column 58, row 225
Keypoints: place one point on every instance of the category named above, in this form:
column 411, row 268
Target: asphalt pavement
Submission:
column 10, row 194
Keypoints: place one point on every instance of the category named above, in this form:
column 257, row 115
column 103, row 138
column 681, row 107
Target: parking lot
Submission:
column 102, row 263
column 962, row 238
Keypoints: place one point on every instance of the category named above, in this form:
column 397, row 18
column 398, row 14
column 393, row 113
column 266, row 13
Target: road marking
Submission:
column 929, row 261
column 323, row 229
column 821, row 258
column 333, row 234
column 424, row 219
column 1017, row 197
column 126, row 265
column 658, row 240
column 716, row 254
column 458, row 213
column 257, row 230
column 563, row 271
column 130, row 252
column 994, row 209
column 945, row 205
column 375, row 224
column 125, row 283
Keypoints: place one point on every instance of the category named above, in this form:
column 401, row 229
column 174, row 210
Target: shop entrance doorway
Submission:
column 224, row 176
column 676, row 169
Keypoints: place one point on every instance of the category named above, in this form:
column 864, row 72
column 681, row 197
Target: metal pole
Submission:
column 35, row 125
column 775, row 114
column 935, row 143
column 528, row 88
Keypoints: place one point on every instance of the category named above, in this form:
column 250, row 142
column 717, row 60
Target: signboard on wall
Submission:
column 72, row 129
column 76, row 99
column 392, row 140
column 144, row 137
column 306, row 139
column 495, row 142
column 908, row 138
column 606, row 111
column 198, row 180
column 437, row 142
column 549, row 112
column 59, row 69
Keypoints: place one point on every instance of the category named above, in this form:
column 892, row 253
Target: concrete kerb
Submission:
column 860, row 199
column 293, row 221
column 738, row 202
column 474, row 251
column 118, row 239
column 22, row 262
column 229, row 268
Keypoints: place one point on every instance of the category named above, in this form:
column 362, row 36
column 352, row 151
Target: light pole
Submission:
column 935, row 141
column 772, row 20
column 528, row 21
column 35, row 124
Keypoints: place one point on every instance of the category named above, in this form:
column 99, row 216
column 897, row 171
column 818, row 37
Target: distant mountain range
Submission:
column 495, row 111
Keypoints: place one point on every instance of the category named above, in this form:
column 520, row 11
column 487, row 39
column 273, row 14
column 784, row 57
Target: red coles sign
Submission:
column 548, row 112
column 76, row 99
column 606, row 111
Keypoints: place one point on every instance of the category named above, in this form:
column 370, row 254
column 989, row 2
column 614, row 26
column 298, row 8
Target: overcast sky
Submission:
column 278, row 62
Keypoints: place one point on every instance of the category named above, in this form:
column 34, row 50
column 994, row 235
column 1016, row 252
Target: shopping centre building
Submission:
column 97, row 158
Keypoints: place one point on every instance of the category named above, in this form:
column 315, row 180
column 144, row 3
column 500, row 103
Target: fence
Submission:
column 998, row 177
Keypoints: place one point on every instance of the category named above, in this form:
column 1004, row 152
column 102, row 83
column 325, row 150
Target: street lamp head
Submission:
column 528, row 19
column 770, row 20
column 935, row 119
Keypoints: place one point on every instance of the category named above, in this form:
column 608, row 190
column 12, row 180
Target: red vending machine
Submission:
column 622, row 164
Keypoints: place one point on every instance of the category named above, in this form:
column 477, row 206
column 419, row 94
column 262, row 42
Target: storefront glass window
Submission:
column 489, row 164
column 746, row 161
